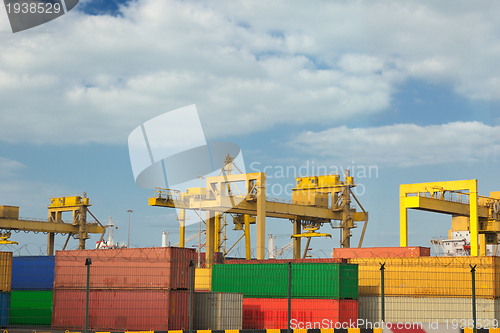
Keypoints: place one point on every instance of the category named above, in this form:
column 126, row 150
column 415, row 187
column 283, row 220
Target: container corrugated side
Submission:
column 5, row 271
column 203, row 279
column 251, row 280
column 286, row 261
column 309, row 280
column 119, row 310
column 4, row 308
column 33, row 272
column 382, row 252
column 217, row 311
column 134, row 268
column 269, row 313
column 429, row 276
column 30, row 307
column 425, row 309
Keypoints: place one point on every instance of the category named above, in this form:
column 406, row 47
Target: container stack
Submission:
column 423, row 289
column 217, row 311
column 321, row 290
column 129, row 289
column 32, row 290
column 5, row 286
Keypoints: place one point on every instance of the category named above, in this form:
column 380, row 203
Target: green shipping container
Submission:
column 309, row 280
column 30, row 307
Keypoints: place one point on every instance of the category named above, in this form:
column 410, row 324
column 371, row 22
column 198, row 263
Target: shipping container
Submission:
column 382, row 252
column 427, row 309
column 5, row 271
column 33, row 273
column 119, row 310
column 203, row 279
column 134, row 268
column 217, row 311
column 430, row 276
column 286, row 261
column 29, row 307
column 315, row 280
column 272, row 313
column 4, row 309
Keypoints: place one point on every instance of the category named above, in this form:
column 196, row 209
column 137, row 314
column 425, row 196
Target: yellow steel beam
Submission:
column 440, row 205
column 51, row 227
column 262, row 210
column 248, row 254
column 474, row 219
column 296, row 241
column 273, row 209
column 182, row 233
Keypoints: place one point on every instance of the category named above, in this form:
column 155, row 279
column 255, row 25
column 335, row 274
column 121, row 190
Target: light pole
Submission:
column 128, row 242
column 199, row 227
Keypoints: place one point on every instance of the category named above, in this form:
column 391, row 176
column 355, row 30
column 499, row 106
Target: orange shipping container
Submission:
column 121, row 310
column 134, row 268
column 382, row 252
column 272, row 313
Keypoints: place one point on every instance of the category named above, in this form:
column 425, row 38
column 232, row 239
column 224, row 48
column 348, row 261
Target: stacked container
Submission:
column 217, row 311
column 130, row 289
column 5, row 286
column 429, row 288
column 382, row 252
column 321, row 292
column 32, row 290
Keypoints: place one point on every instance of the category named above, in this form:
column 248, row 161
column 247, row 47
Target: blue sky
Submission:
column 409, row 88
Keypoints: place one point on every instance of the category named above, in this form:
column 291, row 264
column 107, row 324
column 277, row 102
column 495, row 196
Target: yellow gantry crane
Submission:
column 9, row 220
column 479, row 215
column 315, row 201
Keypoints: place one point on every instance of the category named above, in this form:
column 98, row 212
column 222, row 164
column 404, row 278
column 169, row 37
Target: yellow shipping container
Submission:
column 203, row 279
column 9, row 212
column 429, row 276
column 5, row 271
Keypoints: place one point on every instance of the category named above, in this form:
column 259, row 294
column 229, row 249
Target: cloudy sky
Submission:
column 409, row 90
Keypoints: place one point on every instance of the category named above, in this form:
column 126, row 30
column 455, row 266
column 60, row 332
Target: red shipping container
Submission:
column 285, row 261
column 382, row 252
column 134, row 268
column 120, row 310
column 272, row 313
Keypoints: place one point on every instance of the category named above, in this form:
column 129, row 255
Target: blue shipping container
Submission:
column 4, row 309
column 33, row 273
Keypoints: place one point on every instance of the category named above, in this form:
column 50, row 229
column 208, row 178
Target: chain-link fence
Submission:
column 152, row 289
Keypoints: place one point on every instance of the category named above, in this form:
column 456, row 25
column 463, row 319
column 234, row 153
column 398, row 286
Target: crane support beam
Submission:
column 51, row 227
column 273, row 209
column 443, row 207
column 431, row 197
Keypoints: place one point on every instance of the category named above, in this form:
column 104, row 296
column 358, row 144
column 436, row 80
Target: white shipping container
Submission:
column 427, row 309
column 217, row 311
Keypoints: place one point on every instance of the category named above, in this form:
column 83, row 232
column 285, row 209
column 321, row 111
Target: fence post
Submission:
column 289, row 295
column 382, row 269
column 191, row 295
column 88, row 262
column 473, row 273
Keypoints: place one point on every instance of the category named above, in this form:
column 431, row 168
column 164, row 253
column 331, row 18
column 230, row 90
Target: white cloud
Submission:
column 10, row 168
column 403, row 144
column 246, row 65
